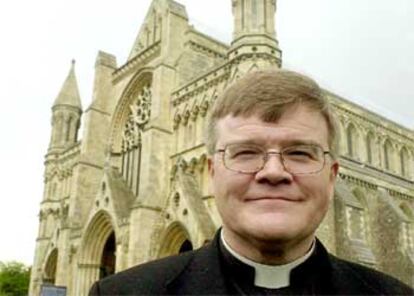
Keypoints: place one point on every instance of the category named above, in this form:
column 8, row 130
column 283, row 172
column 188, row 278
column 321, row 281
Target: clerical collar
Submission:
column 269, row 276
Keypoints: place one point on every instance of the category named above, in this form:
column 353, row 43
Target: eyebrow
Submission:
column 303, row 142
column 283, row 143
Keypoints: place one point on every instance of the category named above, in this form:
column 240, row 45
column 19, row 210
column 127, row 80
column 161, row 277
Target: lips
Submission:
column 282, row 198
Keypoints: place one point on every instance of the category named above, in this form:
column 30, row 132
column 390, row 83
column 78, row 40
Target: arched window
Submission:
column 404, row 162
column 351, row 136
column 370, row 146
column 138, row 116
column 388, row 151
column 68, row 129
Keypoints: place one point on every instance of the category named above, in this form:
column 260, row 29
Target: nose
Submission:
column 273, row 171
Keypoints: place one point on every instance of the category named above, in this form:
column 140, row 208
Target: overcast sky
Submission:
column 362, row 50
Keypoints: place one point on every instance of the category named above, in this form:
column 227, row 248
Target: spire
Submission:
column 66, row 114
column 69, row 93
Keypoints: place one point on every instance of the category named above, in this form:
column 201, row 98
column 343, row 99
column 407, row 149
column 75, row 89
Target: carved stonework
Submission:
column 139, row 115
column 407, row 235
column 140, row 112
column 356, row 223
column 72, row 252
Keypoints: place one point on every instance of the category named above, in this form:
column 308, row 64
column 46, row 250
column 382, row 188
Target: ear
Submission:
column 333, row 173
column 334, row 169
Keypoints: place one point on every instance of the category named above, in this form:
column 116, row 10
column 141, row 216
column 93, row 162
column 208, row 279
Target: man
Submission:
column 272, row 144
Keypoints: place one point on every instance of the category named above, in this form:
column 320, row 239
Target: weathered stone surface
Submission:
column 140, row 170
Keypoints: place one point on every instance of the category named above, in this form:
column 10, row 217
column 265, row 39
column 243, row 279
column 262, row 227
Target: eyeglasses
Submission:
column 297, row 159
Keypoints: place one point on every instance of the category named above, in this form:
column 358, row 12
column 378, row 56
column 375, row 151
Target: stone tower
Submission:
column 135, row 187
column 66, row 114
column 254, row 35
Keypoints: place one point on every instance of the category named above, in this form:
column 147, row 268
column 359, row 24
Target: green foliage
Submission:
column 14, row 279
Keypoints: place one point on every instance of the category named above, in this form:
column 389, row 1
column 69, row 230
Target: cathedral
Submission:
column 134, row 186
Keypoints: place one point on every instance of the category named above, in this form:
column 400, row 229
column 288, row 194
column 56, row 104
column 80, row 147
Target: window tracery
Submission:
column 139, row 115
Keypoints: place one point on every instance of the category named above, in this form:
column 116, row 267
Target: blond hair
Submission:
column 269, row 94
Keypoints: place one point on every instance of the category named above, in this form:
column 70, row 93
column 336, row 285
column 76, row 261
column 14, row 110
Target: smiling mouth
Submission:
column 271, row 199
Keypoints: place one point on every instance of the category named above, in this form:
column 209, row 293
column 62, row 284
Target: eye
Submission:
column 241, row 152
column 301, row 153
column 298, row 153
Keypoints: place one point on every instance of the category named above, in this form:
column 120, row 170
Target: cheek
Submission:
column 229, row 185
column 319, row 189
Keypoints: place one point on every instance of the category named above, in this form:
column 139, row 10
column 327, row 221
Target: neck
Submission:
column 270, row 252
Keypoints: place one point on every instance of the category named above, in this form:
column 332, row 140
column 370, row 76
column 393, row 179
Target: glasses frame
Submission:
column 266, row 157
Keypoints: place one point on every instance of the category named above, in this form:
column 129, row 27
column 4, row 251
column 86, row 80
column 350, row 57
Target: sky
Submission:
column 362, row 50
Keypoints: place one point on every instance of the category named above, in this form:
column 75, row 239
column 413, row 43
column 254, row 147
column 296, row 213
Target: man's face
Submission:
column 272, row 205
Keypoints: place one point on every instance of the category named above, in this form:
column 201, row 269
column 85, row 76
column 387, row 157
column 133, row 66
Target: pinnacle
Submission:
column 69, row 93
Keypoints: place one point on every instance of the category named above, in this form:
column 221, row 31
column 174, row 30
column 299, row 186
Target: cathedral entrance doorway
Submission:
column 176, row 240
column 97, row 258
column 50, row 268
column 108, row 257
column 186, row 246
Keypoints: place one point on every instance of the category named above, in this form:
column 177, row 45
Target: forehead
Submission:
column 296, row 125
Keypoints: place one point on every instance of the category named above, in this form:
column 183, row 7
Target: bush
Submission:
column 14, row 279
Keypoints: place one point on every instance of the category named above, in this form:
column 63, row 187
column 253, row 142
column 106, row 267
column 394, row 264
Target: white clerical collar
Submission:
column 269, row 276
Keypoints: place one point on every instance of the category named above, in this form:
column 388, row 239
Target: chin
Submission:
column 274, row 231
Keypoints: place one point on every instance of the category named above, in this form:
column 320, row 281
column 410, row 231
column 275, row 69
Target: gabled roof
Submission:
column 155, row 20
column 69, row 93
column 122, row 197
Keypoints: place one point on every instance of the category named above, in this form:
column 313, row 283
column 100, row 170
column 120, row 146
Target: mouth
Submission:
column 267, row 198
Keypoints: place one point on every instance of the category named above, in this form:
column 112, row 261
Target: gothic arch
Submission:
column 94, row 240
column 388, row 155
column 122, row 111
column 49, row 270
column 131, row 115
column 370, row 147
column 352, row 140
column 175, row 240
column 342, row 136
column 404, row 162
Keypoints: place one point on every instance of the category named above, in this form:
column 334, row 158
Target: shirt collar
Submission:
column 269, row 276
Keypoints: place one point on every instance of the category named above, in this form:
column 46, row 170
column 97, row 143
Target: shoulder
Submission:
column 147, row 278
column 372, row 281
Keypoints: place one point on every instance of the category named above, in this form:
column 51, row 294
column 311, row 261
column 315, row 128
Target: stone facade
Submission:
column 135, row 187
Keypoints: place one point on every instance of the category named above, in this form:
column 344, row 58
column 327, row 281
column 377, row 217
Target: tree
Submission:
column 14, row 279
